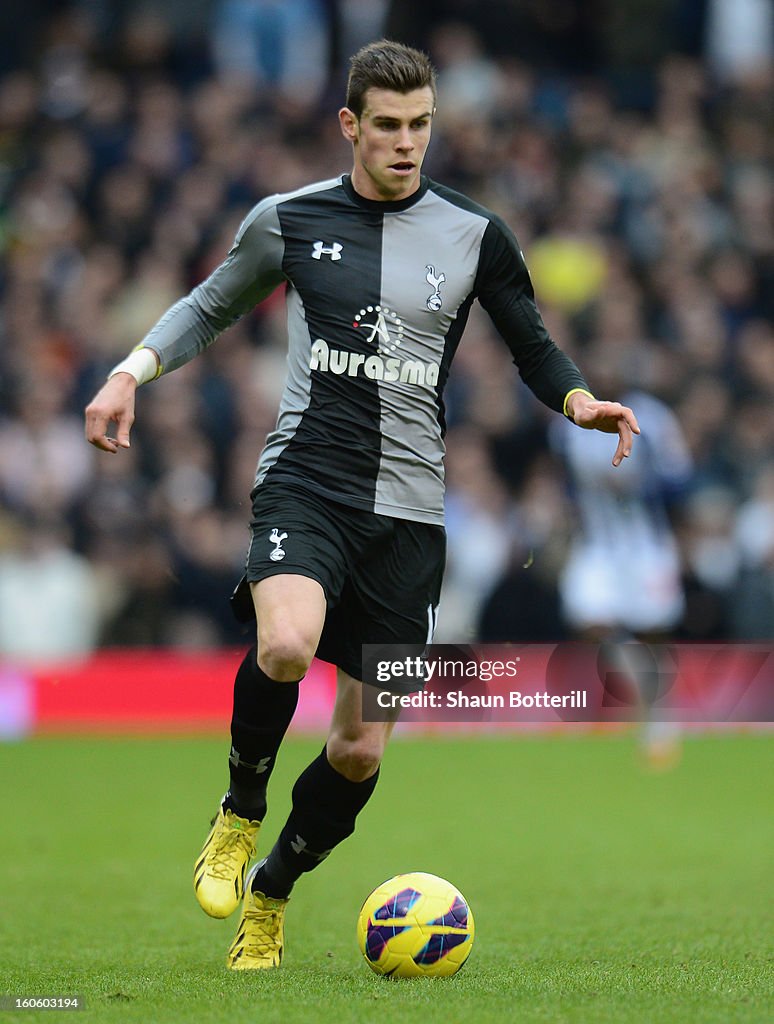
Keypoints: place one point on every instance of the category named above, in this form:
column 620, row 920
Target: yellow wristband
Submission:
column 575, row 391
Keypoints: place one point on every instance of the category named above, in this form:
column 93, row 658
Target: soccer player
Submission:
column 381, row 267
column 624, row 544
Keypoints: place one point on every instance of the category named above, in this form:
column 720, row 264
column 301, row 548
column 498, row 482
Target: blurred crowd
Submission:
column 628, row 145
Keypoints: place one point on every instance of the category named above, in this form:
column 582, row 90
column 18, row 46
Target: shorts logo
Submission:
column 434, row 301
column 320, row 249
column 277, row 538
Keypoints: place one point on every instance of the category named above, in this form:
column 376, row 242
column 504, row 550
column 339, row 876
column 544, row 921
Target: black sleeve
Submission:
column 505, row 291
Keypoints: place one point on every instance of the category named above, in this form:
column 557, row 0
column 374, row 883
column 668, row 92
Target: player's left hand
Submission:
column 609, row 417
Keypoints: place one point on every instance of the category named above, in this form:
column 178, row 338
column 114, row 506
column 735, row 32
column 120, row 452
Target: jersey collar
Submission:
column 386, row 206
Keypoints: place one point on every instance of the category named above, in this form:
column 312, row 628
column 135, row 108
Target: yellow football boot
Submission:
column 220, row 870
column 260, row 936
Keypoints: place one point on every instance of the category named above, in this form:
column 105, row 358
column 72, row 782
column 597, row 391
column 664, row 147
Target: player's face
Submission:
column 390, row 139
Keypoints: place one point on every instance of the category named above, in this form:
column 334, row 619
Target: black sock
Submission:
column 263, row 709
column 325, row 806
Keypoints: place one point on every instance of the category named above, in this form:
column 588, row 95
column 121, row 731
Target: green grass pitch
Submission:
column 601, row 892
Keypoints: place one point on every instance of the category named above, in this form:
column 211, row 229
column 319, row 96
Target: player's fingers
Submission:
column 631, row 419
column 105, row 444
column 624, row 448
column 97, row 421
column 125, row 422
column 96, row 430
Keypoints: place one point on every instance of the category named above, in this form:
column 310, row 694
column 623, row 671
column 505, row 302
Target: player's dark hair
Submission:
column 387, row 65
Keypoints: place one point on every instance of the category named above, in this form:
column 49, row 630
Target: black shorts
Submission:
column 381, row 576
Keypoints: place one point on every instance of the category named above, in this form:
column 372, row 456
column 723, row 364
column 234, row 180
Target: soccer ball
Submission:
column 415, row 926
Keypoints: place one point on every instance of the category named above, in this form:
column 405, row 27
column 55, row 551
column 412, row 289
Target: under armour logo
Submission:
column 298, row 845
column 277, row 538
column 434, row 301
column 262, row 766
column 320, row 249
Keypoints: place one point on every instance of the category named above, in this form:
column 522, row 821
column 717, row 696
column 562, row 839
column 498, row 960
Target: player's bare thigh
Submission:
column 355, row 748
column 290, row 613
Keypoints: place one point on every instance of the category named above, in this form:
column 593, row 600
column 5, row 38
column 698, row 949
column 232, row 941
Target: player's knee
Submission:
column 357, row 760
column 287, row 657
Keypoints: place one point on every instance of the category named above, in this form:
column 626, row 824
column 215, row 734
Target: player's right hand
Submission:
column 113, row 403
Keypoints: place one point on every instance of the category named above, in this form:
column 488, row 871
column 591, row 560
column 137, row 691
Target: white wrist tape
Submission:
column 141, row 364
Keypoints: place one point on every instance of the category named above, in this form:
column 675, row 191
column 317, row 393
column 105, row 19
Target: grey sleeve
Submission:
column 252, row 269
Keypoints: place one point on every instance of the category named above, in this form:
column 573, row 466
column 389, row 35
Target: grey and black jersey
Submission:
column 378, row 295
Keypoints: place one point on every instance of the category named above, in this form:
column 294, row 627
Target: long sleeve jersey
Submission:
column 378, row 295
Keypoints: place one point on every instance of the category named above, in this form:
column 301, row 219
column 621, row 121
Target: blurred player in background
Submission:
column 621, row 583
column 381, row 268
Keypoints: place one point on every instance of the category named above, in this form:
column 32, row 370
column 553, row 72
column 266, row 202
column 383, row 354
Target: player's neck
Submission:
column 367, row 188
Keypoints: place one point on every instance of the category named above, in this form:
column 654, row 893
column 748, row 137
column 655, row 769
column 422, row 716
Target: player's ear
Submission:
column 349, row 124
